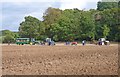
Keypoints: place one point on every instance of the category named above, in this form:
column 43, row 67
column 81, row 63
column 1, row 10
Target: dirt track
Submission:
column 60, row 60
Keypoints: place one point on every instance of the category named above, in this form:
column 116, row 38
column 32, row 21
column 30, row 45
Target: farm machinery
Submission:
column 22, row 41
column 32, row 41
column 50, row 42
column 101, row 41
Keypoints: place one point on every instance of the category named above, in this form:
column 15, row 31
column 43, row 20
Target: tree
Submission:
column 7, row 32
column 8, row 39
column 31, row 27
column 8, row 36
column 16, row 35
column 74, row 24
column 110, row 18
column 67, row 25
column 106, row 5
column 106, row 31
column 119, row 4
column 87, row 25
column 50, row 17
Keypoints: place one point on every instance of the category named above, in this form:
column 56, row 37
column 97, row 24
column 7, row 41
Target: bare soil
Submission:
column 59, row 60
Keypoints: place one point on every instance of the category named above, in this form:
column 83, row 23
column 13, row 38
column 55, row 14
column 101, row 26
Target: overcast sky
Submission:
column 13, row 11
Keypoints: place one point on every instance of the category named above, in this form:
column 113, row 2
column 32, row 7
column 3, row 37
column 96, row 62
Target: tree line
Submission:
column 75, row 24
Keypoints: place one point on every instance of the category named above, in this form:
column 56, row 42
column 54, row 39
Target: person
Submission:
column 83, row 42
column 67, row 43
column 49, row 41
column 99, row 43
column 8, row 42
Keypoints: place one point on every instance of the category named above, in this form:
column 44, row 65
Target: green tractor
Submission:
column 22, row 41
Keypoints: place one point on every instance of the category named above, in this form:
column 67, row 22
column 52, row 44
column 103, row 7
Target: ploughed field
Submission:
column 59, row 60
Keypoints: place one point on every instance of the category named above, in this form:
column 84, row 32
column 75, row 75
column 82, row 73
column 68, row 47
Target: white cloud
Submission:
column 80, row 4
column 78, row 0
column 70, row 5
column 35, row 14
column 28, row 0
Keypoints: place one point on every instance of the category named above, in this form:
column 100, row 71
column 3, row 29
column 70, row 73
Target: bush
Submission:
column 8, row 38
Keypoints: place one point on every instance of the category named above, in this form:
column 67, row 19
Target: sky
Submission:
column 12, row 12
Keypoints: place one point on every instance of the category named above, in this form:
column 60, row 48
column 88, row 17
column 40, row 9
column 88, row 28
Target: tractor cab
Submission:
column 103, row 41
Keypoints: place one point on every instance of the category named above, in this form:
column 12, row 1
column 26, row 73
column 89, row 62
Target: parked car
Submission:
column 73, row 43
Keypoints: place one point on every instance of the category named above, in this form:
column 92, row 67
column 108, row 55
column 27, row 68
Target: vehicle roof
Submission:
column 22, row 38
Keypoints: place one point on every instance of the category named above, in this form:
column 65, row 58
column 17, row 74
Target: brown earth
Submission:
column 59, row 60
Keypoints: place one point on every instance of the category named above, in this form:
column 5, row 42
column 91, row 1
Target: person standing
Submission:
column 8, row 42
column 49, row 41
column 83, row 42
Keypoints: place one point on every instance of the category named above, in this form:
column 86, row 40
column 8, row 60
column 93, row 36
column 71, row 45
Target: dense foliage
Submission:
column 31, row 27
column 75, row 24
column 106, row 5
column 8, row 36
